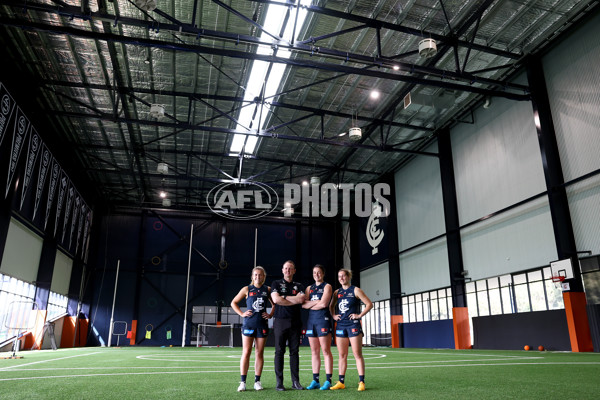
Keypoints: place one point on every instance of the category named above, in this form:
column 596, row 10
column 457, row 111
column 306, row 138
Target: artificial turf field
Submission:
column 213, row 373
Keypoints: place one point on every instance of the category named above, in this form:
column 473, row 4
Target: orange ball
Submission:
column 541, row 348
column 526, row 348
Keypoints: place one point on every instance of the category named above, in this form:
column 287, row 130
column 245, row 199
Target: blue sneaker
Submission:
column 326, row 385
column 313, row 385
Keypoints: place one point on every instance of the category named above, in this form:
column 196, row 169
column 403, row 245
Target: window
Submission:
column 16, row 306
column 377, row 324
column 506, row 294
column 428, row 306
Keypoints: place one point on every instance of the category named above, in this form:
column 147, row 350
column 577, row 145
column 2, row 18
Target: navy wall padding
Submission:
column 514, row 331
column 429, row 334
column 593, row 311
column 153, row 251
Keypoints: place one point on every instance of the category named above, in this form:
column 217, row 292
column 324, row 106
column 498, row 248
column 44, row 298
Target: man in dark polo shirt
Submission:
column 287, row 324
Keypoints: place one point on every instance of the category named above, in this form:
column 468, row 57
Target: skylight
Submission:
column 275, row 17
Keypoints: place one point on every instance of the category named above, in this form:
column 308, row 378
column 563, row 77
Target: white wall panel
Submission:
column 375, row 282
column 425, row 268
column 419, row 201
column 497, row 159
column 572, row 72
column 515, row 240
column 22, row 253
column 61, row 276
column 584, row 204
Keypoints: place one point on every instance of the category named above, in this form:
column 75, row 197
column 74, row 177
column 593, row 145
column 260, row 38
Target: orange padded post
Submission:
column 82, row 332
column 68, row 332
column 577, row 320
column 133, row 332
column 462, row 330
column 396, row 319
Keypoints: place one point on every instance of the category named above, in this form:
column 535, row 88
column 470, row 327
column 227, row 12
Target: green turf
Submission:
column 213, row 373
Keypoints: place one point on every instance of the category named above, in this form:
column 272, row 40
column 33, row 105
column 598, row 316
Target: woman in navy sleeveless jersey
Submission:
column 255, row 327
column 345, row 308
column 318, row 327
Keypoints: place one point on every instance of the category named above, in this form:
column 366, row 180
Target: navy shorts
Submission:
column 255, row 332
column 348, row 331
column 322, row 328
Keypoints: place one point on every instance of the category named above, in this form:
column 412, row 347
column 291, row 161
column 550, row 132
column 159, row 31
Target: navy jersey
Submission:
column 347, row 304
column 285, row 288
column 257, row 301
column 315, row 292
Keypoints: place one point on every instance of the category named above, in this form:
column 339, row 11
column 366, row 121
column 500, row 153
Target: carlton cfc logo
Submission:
column 344, row 306
column 5, row 104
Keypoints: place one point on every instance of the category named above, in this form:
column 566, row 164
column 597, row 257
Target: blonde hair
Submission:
column 260, row 269
column 347, row 272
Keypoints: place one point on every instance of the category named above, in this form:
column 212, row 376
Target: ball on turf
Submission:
column 541, row 348
column 526, row 348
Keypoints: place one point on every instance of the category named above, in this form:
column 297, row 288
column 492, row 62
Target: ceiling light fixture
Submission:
column 375, row 94
column 427, row 48
column 355, row 133
column 146, row 5
column 157, row 111
column 162, row 168
column 162, row 194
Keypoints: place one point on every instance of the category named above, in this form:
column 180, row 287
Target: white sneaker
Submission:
column 258, row 386
column 242, row 387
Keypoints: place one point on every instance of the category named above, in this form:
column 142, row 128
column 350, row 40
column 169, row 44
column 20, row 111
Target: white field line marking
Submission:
column 303, row 369
column 43, row 361
column 199, row 357
column 400, row 363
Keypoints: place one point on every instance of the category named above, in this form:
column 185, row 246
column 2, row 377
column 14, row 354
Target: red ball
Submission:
column 541, row 348
column 526, row 348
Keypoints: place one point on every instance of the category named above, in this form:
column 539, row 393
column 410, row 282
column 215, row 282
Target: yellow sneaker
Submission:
column 361, row 386
column 338, row 386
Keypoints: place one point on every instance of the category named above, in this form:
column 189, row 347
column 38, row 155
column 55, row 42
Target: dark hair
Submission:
column 322, row 268
column 290, row 262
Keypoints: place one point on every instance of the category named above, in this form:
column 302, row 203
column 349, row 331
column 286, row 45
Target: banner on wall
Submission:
column 374, row 243
column 7, row 107
column 86, row 232
column 42, row 173
column 70, row 194
column 33, row 151
column 82, row 214
column 54, row 179
column 74, row 219
column 62, row 188
column 20, row 130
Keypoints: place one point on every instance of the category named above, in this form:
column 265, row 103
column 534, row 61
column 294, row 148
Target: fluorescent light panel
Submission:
column 275, row 16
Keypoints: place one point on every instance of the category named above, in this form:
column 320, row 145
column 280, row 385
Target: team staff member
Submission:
column 288, row 297
column 345, row 309
column 318, row 327
column 255, row 327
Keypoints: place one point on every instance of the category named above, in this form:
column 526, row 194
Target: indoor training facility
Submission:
column 153, row 152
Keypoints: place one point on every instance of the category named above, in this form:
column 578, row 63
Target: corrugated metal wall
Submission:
column 572, row 73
